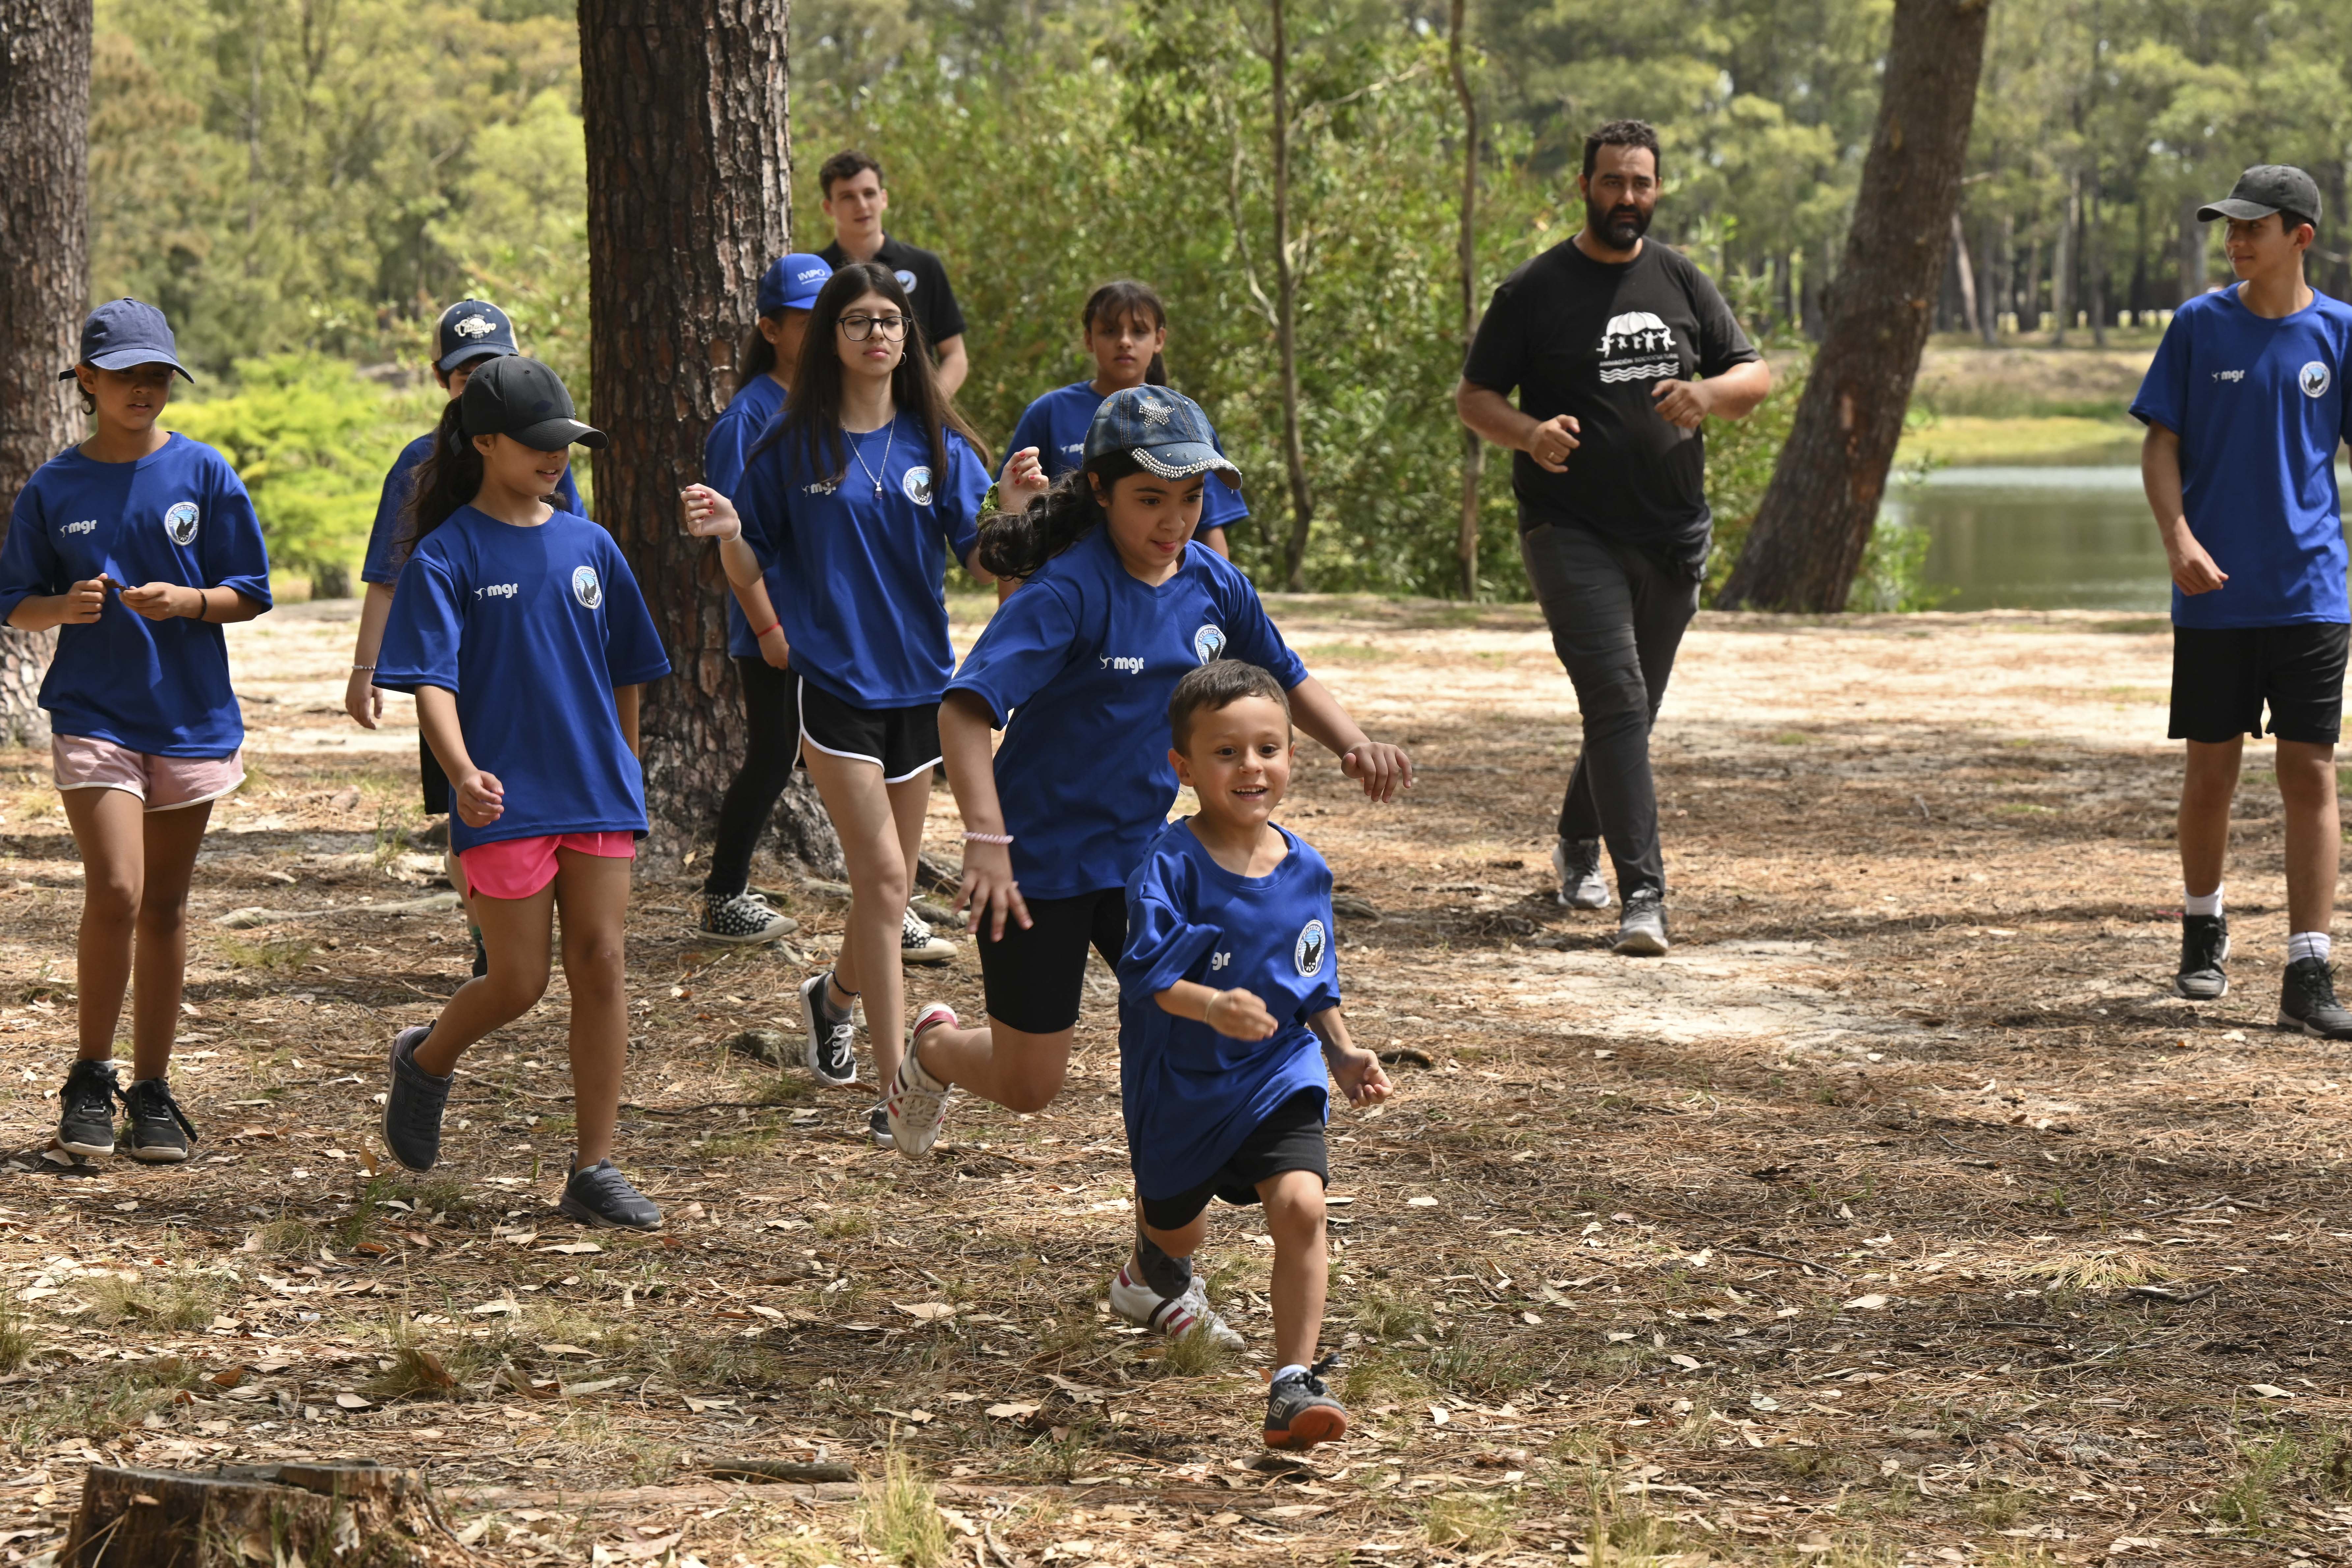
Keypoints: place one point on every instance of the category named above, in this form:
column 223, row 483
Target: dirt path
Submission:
column 1815, row 1241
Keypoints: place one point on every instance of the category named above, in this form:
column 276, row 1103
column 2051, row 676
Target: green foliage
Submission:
column 311, row 438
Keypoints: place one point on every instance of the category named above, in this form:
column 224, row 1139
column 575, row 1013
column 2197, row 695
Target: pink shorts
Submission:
column 519, row 868
column 165, row 784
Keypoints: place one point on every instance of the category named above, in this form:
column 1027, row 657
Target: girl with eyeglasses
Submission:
column 852, row 504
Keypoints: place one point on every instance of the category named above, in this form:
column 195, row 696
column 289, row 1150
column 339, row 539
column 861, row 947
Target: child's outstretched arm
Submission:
column 1237, row 1015
column 1383, row 769
column 1357, row 1070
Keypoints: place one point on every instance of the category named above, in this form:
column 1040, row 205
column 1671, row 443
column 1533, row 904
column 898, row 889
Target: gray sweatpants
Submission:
column 1617, row 616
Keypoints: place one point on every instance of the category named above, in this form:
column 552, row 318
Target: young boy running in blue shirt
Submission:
column 521, row 630
column 2245, row 405
column 1229, row 1021
column 139, row 544
column 470, row 332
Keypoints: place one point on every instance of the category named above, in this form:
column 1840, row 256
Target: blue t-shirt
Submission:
column 179, row 515
column 1057, row 426
column 384, row 536
column 1191, row 1094
column 859, row 579
column 532, row 628
column 1083, row 660
column 2260, row 407
column 750, row 411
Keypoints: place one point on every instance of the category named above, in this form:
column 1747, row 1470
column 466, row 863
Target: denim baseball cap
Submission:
column 2264, row 189
column 792, row 282
column 1164, row 431
column 124, row 332
column 472, row 329
column 521, row 397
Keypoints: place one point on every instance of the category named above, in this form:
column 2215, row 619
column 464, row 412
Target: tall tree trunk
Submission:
column 2191, row 250
column 2094, row 262
column 1966, row 273
column 1989, row 307
column 2061, row 266
column 44, row 281
column 2029, row 312
column 1286, row 306
column 2338, row 270
column 1817, row 515
column 689, row 192
column 1473, row 451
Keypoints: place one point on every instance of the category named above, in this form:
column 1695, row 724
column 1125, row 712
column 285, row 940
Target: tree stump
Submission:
column 347, row 1515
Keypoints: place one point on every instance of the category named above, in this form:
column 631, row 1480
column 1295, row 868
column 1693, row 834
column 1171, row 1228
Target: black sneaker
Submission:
column 600, row 1196
column 413, row 1104
column 2204, row 948
column 2307, row 1001
column 159, row 1131
column 832, row 1053
column 1577, row 865
column 481, row 953
column 1301, row 1411
column 86, row 1108
column 877, row 1124
column 742, row 918
column 1642, row 929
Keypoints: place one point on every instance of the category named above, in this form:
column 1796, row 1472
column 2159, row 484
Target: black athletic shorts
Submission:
column 901, row 742
column 1289, row 1140
column 2224, row 676
column 1033, row 978
column 435, row 781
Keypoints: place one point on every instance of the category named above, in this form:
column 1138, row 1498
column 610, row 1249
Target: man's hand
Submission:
column 1359, row 1075
column 1550, row 442
column 84, row 602
column 361, row 701
column 2193, row 571
column 1239, row 1014
column 1683, row 403
column 478, row 798
column 164, row 601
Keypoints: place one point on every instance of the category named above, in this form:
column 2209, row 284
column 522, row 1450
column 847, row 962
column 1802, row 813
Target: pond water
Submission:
column 2039, row 537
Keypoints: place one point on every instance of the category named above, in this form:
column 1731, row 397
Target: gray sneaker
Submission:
column 160, row 1133
column 600, row 1196
column 1301, row 1413
column 1579, row 865
column 412, row 1105
column 2204, row 949
column 1642, row 929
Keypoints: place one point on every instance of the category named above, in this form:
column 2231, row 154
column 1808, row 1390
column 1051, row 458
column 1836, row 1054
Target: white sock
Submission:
column 2209, row 904
column 2306, row 944
column 1282, row 1371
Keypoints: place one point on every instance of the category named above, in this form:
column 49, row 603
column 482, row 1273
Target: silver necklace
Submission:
column 858, row 452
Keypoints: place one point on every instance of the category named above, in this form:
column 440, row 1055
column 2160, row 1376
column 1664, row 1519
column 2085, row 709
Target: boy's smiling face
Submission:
column 1237, row 760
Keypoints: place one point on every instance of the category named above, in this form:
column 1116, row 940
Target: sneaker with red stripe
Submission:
column 1174, row 1316
column 918, row 1104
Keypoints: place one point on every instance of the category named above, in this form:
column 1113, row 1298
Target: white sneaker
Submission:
column 1176, row 1316
column 832, row 1053
column 918, row 945
column 1580, row 887
column 917, row 1106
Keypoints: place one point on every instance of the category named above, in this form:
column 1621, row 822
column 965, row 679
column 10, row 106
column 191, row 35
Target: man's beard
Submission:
column 1621, row 225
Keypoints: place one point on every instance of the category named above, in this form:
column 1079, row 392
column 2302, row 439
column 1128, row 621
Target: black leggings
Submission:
column 775, row 741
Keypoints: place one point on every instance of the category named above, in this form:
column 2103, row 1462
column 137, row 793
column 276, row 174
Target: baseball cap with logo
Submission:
column 792, row 282
column 522, row 398
column 472, row 329
column 2264, row 189
column 1161, row 429
column 124, row 332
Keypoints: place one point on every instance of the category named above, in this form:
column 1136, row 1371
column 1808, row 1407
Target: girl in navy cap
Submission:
column 470, row 332
column 521, row 630
column 1077, row 669
column 139, row 544
column 1124, row 326
column 855, row 500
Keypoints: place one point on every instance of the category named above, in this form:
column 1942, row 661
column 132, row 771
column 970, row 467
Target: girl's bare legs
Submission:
column 881, row 829
column 1002, row 1064
column 514, row 936
column 136, row 867
column 593, row 893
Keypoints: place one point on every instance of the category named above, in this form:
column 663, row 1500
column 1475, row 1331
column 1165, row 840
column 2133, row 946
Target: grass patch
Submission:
column 273, row 954
column 1195, row 1353
column 1385, row 1315
column 1469, row 1522
column 2105, row 1268
column 803, row 1547
column 2251, row 1501
column 899, row 1515
column 15, row 1340
column 163, row 1304
column 286, row 1236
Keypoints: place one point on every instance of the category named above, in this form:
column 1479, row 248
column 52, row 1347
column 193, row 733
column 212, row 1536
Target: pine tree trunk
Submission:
column 1474, row 450
column 1286, row 303
column 44, row 282
column 2191, row 250
column 1817, row 514
column 689, row 193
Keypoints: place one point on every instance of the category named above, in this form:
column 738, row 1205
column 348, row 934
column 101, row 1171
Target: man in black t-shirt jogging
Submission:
column 855, row 199
column 1606, row 338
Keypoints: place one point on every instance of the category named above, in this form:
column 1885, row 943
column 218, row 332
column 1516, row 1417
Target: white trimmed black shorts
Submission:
column 902, row 742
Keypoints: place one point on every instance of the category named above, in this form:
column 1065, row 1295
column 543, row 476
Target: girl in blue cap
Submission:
column 139, row 545
column 1119, row 603
column 855, row 500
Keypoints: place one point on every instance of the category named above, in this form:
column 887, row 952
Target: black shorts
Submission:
column 1033, row 978
column 1289, row 1140
column 2224, row 676
column 435, row 781
column 901, row 742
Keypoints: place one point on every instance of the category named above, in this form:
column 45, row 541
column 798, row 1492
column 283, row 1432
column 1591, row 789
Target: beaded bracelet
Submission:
column 989, row 837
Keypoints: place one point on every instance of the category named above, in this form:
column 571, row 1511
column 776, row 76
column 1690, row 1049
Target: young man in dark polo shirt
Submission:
column 855, row 199
column 1606, row 336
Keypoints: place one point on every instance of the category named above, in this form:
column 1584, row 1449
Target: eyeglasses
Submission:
column 857, row 329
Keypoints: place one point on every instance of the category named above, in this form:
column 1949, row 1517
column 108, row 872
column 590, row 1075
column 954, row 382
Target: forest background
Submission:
column 302, row 184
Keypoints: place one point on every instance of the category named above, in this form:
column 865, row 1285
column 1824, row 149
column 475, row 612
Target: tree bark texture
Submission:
column 689, row 193
column 1474, row 450
column 339, row 1513
column 1817, row 514
column 1286, row 307
column 44, row 282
